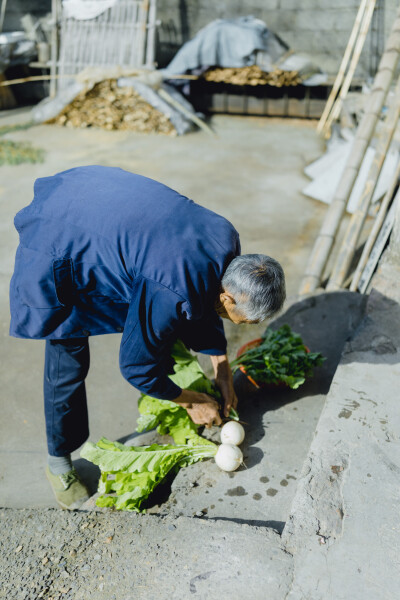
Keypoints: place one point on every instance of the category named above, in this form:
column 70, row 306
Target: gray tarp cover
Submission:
column 227, row 43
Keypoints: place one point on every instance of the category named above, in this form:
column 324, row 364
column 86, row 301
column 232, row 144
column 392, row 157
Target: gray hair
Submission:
column 257, row 283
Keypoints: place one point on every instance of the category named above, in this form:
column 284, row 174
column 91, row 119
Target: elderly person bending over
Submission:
column 105, row 251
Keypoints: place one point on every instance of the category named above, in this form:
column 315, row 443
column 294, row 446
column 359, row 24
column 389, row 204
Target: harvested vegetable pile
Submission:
column 111, row 107
column 253, row 76
column 131, row 473
column 281, row 357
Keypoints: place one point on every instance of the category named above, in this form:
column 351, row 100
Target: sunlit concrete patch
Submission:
column 343, row 528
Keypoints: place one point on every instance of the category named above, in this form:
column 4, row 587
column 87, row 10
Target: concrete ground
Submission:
column 343, row 530
column 330, row 534
column 251, row 173
column 340, row 540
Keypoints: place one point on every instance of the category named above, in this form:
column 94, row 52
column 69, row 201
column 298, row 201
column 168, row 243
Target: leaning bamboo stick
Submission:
column 8, row 82
column 343, row 66
column 324, row 242
column 379, row 246
column 353, row 232
column 378, row 222
column 74, row 76
column 337, row 107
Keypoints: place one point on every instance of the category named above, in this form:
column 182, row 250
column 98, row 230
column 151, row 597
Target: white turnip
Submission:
column 232, row 433
column 228, row 457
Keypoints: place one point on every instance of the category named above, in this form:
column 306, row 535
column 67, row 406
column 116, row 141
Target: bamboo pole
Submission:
column 144, row 13
column 151, row 33
column 379, row 219
column 324, row 242
column 352, row 235
column 337, row 107
column 53, row 48
column 2, row 13
column 8, row 82
column 343, row 66
column 379, row 246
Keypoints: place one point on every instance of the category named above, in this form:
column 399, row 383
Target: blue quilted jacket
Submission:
column 103, row 251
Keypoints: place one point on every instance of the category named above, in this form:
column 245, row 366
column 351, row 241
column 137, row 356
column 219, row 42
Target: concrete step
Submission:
column 55, row 554
column 232, row 548
column 343, row 529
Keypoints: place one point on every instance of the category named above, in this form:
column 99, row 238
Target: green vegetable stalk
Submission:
column 280, row 358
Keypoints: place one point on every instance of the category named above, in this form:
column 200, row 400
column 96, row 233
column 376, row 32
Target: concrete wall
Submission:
column 318, row 27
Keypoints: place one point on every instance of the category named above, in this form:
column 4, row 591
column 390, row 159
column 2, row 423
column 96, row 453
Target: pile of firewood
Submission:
column 252, row 76
column 108, row 106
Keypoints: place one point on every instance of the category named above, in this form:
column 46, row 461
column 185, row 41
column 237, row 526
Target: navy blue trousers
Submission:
column 65, row 407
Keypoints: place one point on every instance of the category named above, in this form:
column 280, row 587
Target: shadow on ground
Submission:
column 325, row 322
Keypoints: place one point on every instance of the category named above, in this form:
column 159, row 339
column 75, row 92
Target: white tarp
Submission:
column 327, row 171
column 82, row 10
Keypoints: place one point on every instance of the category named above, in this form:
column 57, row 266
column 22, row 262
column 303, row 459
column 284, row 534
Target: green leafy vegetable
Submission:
column 280, row 358
column 131, row 473
column 168, row 417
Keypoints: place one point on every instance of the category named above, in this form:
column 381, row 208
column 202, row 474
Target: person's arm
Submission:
column 224, row 380
column 150, row 328
column 147, row 339
column 207, row 337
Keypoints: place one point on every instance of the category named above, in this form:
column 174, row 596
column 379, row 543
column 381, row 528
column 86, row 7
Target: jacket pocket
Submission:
column 63, row 275
column 34, row 280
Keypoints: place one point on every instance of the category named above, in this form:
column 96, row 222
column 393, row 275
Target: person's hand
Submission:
column 225, row 385
column 202, row 409
column 224, row 382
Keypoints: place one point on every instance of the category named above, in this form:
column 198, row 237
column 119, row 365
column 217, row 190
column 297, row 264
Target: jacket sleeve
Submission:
column 205, row 335
column 151, row 327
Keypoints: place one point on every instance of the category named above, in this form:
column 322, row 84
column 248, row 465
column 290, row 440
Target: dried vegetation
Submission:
column 253, row 75
column 110, row 107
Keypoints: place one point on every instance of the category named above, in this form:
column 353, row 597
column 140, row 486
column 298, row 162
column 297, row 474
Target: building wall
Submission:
column 320, row 28
column 317, row 27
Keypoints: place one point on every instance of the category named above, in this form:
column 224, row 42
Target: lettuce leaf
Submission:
column 168, row 417
column 129, row 474
column 132, row 472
